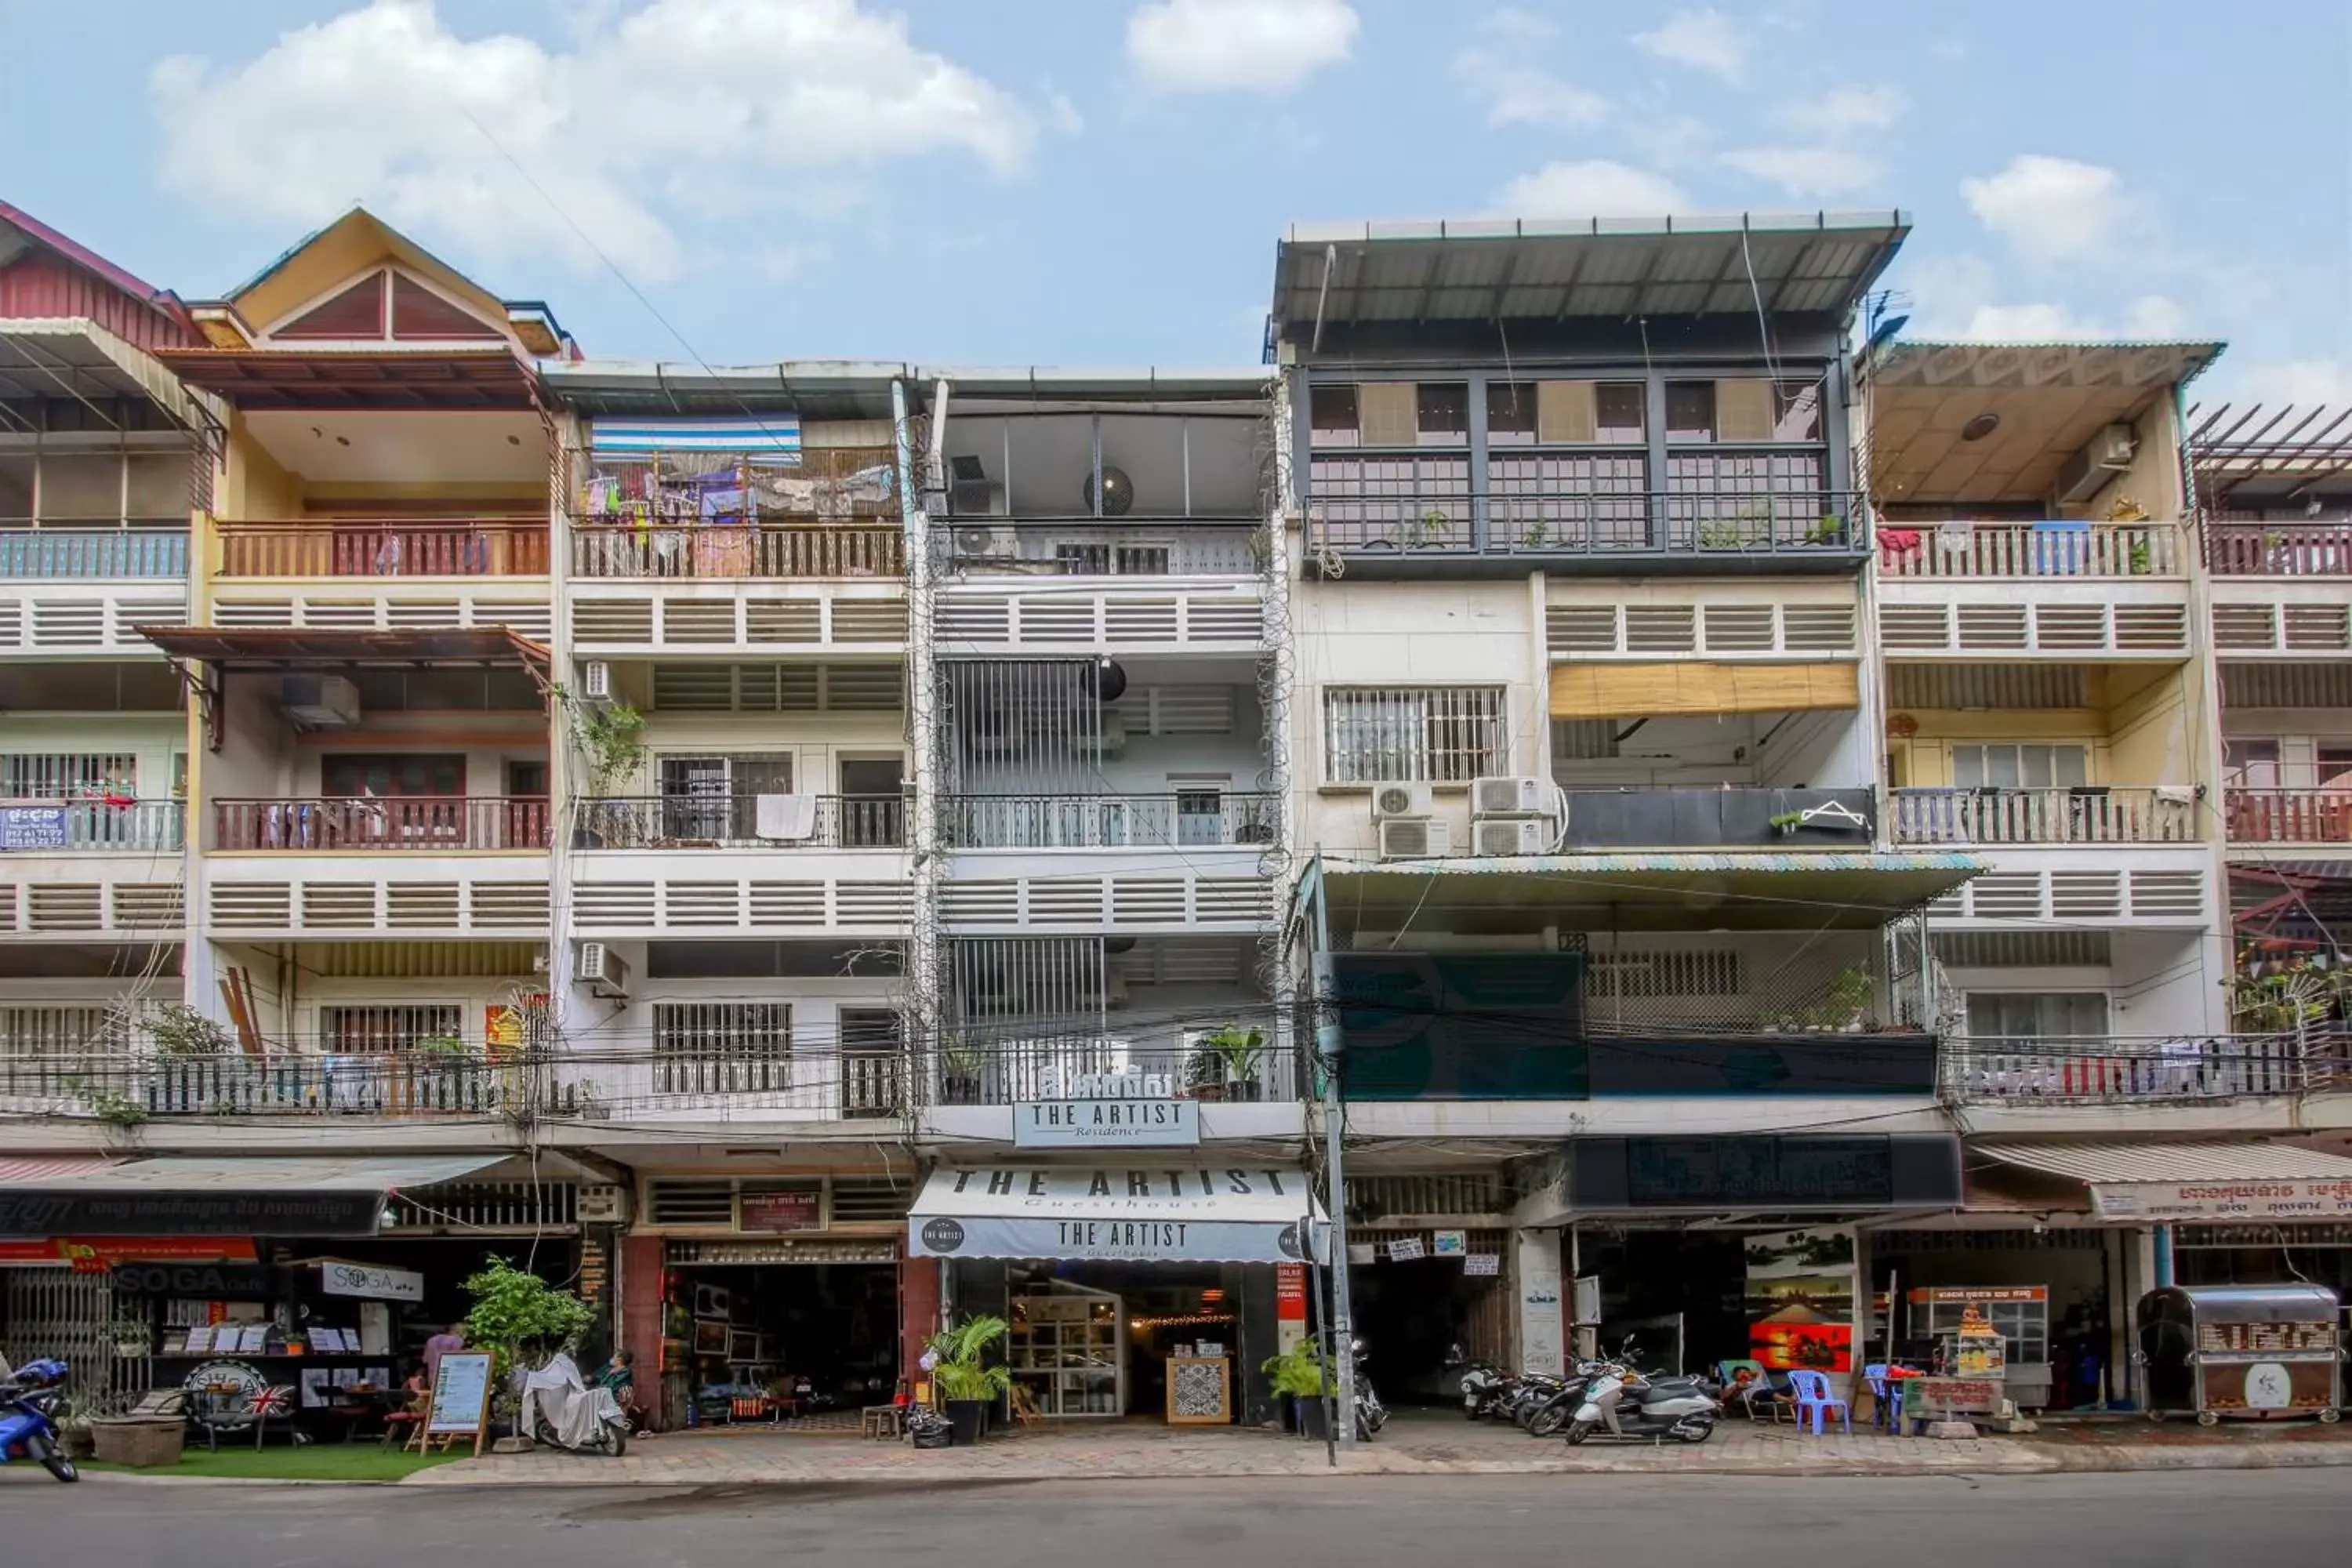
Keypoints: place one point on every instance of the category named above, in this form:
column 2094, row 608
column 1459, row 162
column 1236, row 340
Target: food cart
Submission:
column 2261, row 1351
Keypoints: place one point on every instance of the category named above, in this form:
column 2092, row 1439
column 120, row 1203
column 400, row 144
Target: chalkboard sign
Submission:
column 461, row 1397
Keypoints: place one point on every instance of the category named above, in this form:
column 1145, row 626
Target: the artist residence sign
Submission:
column 1125, row 1111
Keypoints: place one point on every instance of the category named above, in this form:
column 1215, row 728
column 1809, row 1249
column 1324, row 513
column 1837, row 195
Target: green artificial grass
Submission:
column 313, row 1462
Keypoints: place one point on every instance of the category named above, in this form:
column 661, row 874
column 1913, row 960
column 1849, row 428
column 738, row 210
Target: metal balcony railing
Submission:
column 2288, row 816
column 94, row 553
column 2279, row 549
column 130, row 826
column 1207, row 820
column 2115, row 1069
column 1702, row 525
column 993, row 1069
column 1701, row 818
column 121, row 1085
column 817, row 1084
column 743, row 821
column 2011, row 550
column 412, row 823
column 2081, row 814
column 389, row 547
column 626, row 551
column 1127, row 547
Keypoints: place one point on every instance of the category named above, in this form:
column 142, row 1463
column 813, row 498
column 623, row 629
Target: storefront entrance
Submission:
column 1413, row 1311
column 1115, row 1339
column 811, row 1340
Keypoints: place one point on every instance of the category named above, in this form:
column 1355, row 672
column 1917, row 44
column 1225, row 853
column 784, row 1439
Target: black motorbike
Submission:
column 1487, row 1389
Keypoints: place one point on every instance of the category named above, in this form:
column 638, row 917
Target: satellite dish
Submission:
column 1104, row 680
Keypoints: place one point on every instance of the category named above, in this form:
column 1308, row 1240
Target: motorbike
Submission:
column 1535, row 1390
column 28, row 1403
column 1371, row 1413
column 1550, row 1416
column 1487, row 1389
column 560, row 1410
column 1630, row 1407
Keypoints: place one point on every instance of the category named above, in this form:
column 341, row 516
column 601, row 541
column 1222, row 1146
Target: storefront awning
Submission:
column 193, row 1196
column 1167, row 1214
column 305, row 648
column 2141, row 1182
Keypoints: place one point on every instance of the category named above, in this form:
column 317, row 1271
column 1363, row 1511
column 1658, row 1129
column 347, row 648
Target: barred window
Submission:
column 353, row 1030
column 62, row 1031
column 67, row 775
column 722, row 1047
column 1435, row 734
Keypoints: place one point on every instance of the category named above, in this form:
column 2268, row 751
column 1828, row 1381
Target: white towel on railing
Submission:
column 785, row 816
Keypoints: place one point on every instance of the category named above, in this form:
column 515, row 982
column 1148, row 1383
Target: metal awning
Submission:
column 1159, row 1213
column 74, row 358
column 374, row 378
column 314, row 647
column 2143, row 1182
column 2265, row 454
column 170, row 1196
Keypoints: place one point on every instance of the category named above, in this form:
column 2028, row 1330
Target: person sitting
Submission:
column 620, row 1378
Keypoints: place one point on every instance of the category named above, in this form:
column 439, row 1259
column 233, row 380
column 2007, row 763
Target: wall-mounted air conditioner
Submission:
column 2088, row 471
column 1399, row 800
column 603, row 972
column 1512, row 835
column 973, row 544
column 1416, row 839
column 1513, row 797
column 603, row 1202
column 320, row 701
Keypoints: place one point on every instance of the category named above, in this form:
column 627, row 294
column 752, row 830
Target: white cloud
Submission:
column 1255, row 46
column 1594, row 188
column 2151, row 317
column 1704, row 40
column 1845, row 111
column 1496, row 71
column 2298, row 381
column 1064, row 113
column 2051, row 209
column 1812, row 173
column 641, row 117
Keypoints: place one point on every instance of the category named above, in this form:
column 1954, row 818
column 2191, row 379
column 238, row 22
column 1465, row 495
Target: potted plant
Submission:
column 180, row 1031
column 1849, row 999
column 966, row 1383
column 1296, row 1375
column 1224, row 1062
column 521, row 1319
column 133, row 1339
column 962, row 1064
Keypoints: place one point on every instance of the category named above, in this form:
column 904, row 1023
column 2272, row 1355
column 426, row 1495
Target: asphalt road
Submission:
column 2254, row 1517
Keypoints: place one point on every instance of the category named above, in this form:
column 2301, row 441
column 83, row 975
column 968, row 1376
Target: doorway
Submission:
column 873, row 803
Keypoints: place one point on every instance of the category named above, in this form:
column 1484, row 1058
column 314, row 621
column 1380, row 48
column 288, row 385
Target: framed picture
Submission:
column 711, row 1336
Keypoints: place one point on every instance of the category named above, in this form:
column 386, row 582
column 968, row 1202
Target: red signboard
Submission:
column 102, row 1252
column 772, row 1214
column 1290, row 1292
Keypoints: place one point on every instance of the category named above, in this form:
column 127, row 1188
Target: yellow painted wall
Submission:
column 2154, row 477
column 2151, row 737
column 254, row 485
column 2143, row 736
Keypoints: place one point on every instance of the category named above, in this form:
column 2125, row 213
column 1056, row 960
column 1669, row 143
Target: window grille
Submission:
column 67, row 775
column 1583, row 740
column 722, row 1047
column 353, row 1030
column 1438, row 734
column 61, row 1031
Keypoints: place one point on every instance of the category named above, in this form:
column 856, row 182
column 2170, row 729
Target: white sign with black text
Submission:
column 1126, row 1110
column 370, row 1281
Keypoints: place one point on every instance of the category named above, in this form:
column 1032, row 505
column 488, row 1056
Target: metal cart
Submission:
column 2260, row 1351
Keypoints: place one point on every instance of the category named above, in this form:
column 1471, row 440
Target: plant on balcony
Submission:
column 962, row 1063
column 1538, row 535
column 1224, row 1062
column 179, row 1031
column 610, row 739
column 439, row 1046
column 1749, row 525
column 2288, row 999
column 117, row 1109
column 1828, row 530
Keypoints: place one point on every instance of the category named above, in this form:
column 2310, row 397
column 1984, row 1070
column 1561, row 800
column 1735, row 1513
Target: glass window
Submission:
column 1444, row 413
column 1619, row 413
column 1797, row 410
column 2037, row 1014
column 2020, row 767
column 1690, row 411
column 2250, row 765
column 1441, row 735
column 1510, row 413
column 1332, row 414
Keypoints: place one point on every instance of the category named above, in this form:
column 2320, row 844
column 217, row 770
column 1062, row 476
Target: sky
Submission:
column 1103, row 182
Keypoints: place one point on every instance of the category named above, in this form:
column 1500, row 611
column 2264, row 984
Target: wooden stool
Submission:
column 882, row 1421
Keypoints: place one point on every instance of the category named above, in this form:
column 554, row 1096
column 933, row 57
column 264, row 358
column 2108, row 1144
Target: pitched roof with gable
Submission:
column 46, row 276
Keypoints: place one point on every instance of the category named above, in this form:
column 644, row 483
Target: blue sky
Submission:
column 1103, row 180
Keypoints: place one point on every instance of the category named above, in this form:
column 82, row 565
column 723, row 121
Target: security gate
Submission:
column 68, row 1314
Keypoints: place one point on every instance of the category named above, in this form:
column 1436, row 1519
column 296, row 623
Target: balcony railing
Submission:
column 998, row 1070
column 2118, row 1069
column 2064, row 550
column 814, row 1084
column 2289, row 816
column 94, row 553
column 2279, row 549
column 1208, row 820
column 142, row 827
column 122, row 1085
column 436, row 547
column 2084, row 814
column 416, row 822
column 1129, row 547
column 1711, row 526
column 743, row 821
column 736, row 550
column 1701, row 818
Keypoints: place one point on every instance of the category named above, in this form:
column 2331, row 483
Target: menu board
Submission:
column 461, row 1396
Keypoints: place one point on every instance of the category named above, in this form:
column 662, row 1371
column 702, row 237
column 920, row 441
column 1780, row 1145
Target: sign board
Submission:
column 2330, row 1198
column 32, row 827
column 776, row 1213
column 1289, row 1305
column 155, row 1212
column 1133, row 1213
column 1405, row 1249
column 1482, row 1263
column 1118, row 1122
column 1802, row 1290
column 1542, row 1343
column 461, row 1397
column 1449, row 1243
column 370, row 1283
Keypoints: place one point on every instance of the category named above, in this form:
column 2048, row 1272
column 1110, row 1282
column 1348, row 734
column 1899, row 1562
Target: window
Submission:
column 1797, row 410
column 420, row 776
column 1441, row 735
column 1200, row 815
column 62, row 1031
column 1617, row 413
column 2019, row 767
column 722, row 1047
column 2335, row 767
column 1332, row 416
column 2037, row 1014
column 2250, row 765
column 1443, row 412
column 369, row 1030
column 1511, row 413
column 1583, row 740
column 717, row 797
column 1690, row 411
column 67, row 775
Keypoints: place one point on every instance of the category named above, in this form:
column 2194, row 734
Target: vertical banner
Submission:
column 1289, row 1306
column 1542, row 1347
column 1801, row 1290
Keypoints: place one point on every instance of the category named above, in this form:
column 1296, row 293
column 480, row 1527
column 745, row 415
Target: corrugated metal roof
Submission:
column 2093, row 1164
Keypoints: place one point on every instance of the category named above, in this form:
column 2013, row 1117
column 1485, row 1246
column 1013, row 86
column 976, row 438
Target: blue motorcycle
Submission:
column 27, row 1422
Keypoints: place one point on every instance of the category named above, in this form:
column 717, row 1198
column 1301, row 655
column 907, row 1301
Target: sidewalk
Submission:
column 1414, row 1444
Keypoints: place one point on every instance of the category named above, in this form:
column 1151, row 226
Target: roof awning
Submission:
column 385, row 378
column 2142, row 1182
column 72, row 357
column 1165, row 1212
column 196, row 1197
column 313, row 648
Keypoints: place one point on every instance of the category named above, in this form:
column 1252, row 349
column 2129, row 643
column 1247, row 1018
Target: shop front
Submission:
column 1131, row 1291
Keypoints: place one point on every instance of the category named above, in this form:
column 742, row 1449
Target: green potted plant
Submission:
column 610, row 739
column 966, row 1384
column 179, row 1031
column 963, row 1062
column 1296, row 1375
column 1225, row 1061
column 521, row 1319
column 134, row 1337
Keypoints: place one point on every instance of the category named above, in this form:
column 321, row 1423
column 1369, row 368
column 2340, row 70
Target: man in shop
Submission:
column 452, row 1338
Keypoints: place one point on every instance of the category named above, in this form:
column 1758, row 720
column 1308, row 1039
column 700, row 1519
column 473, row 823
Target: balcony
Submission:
column 2080, row 814
column 127, row 1085
column 2279, row 549
column 1129, row 547
column 2111, row 1069
column 2071, row 550
column 743, row 821
column 998, row 1070
column 1433, row 532
column 742, row 1084
column 434, row 547
column 93, row 552
column 1209, row 820
column 2288, row 816
column 413, row 823
column 1738, row 817
column 719, row 551
column 128, row 826
column 1594, row 1065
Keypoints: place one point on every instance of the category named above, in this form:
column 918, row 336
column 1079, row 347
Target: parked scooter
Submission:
column 1621, row 1402
column 1371, row 1413
column 1551, row 1416
column 1487, row 1389
column 560, row 1410
column 28, row 1402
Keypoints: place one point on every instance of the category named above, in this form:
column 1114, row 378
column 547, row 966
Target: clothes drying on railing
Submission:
column 789, row 817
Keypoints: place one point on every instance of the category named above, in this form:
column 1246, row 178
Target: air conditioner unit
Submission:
column 986, row 544
column 603, row 1202
column 320, row 701
column 1416, row 839
column 2087, row 472
column 1512, row 835
column 602, row 972
column 596, row 681
column 1513, row 797
column 1399, row 800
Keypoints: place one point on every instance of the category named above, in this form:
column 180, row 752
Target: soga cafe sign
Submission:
column 368, row 1281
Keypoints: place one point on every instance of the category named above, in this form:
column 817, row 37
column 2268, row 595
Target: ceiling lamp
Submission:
column 1982, row 426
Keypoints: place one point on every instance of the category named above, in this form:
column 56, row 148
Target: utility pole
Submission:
column 1329, row 1048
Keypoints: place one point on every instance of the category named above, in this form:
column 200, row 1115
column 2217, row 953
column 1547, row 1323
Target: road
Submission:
column 2145, row 1520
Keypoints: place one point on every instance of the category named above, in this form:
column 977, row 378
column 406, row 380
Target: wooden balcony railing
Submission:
column 2279, row 549
column 94, row 553
column 413, row 822
column 2288, row 816
column 2061, row 550
column 736, row 550
column 2086, row 815
column 387, row 547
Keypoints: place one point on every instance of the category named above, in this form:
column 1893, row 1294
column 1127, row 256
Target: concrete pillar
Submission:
column 918, row 1311
column 639, row 1327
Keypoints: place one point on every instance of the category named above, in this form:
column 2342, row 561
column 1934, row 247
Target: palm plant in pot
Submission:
column 1224, row 1064
column 1296, row 1376
column 966, row 1385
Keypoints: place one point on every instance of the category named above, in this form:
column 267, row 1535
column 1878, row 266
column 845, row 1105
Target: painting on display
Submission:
column 1801, row 1296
